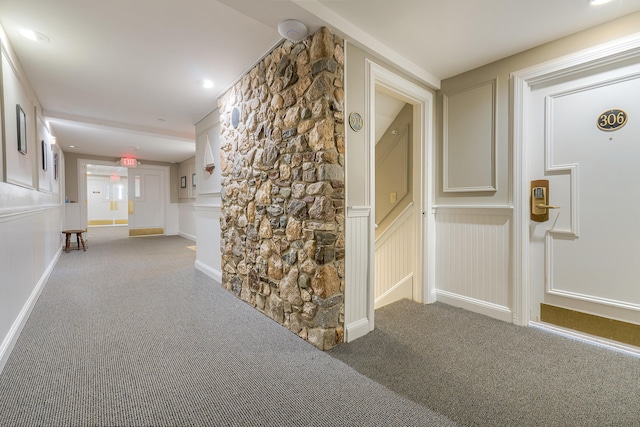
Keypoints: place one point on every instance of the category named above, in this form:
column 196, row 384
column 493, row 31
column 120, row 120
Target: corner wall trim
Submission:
column 357, row 329
column 23, row 316
column 187, row 236
column 216, row 275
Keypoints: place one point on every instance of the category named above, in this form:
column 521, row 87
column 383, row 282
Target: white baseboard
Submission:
column 209, row 271
column 357, row 329
column 187, row 236
column 477, row 306
column 14, row 332
column 401, row 290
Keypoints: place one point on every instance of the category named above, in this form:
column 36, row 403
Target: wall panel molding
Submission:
column 469, row 136
column 11, row 214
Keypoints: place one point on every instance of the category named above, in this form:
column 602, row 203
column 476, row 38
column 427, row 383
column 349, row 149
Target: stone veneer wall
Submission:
column 283, row 175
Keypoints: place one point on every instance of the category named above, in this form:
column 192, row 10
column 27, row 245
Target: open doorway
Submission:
column 107, row 195
column 360, row 262
column 395, row 210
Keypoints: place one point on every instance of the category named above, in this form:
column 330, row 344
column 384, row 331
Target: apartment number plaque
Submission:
column 612, row 120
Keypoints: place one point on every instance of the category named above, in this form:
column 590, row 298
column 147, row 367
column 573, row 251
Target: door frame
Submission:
column 522, row 84
column 422, row 101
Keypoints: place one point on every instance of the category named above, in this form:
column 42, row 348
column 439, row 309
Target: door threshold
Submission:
column 628, row 349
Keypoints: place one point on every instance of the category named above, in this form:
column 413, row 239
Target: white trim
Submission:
column 389, row 295
column 187, row 236
column 591, row 298
column 378, row 76
column 14, row 332
column 587, row 59
column 588, row 339
column 496, row 311
column 10, row 214
column 521, row 84
column 358, row 211
column 207, row 208
column 395, row 224
column 357, row 329
column 496, row 210
column 209, row 271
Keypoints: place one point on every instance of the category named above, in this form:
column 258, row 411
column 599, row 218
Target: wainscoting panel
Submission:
column 357, row 302
column 208, row 254
column 33, row 243
column 187, row 221
column 395, row 260
column 473, row 259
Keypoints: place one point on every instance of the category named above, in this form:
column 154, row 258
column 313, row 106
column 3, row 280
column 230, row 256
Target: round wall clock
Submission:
column 355, row 121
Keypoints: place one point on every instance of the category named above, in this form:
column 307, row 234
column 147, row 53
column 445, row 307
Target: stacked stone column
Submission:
column 283, row 188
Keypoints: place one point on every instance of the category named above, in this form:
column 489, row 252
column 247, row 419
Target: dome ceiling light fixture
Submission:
column 293, row 30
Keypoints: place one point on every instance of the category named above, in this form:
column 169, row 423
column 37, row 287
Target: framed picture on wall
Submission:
column 44, row 154
column 193, row 179
column 22, row 130
column 183, row 182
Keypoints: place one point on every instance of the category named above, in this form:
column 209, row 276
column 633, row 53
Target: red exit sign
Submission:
column 128, row 162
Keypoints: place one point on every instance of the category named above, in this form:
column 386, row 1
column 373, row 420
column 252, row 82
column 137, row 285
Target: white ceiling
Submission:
column 121, row 74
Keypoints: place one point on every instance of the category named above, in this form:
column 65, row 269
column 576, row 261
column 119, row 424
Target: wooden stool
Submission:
column 79, row 239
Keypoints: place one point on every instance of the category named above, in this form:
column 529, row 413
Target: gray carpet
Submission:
column 479, row 371
column 128, row 333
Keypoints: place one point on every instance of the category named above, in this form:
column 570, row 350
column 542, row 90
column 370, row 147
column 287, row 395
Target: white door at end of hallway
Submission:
column 147, row 200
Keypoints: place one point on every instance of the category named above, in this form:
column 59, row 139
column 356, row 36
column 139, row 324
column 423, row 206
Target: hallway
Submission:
column 129, row 333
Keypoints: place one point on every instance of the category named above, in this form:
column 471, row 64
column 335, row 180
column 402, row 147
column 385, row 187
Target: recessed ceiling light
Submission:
column 34, row 35
column 205, row 83
column 72, row 146
column 598, row 2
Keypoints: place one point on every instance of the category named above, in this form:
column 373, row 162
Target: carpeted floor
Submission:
column 128, row 333
column 478, row 371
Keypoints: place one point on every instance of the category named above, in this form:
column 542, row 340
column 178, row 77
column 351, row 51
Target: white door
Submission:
column 147, row 199
column 585, row 257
